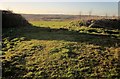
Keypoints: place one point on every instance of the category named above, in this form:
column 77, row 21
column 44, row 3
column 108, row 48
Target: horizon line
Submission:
column 57, row 14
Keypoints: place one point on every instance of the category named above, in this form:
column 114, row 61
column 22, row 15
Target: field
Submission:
column 59, row 49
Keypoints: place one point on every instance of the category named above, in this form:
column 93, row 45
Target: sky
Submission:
column 59, row 0
column 58, row 7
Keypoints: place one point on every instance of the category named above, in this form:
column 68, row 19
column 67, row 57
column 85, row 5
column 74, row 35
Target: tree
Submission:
column 106, row 16
column 80, row 15
column 90, row 13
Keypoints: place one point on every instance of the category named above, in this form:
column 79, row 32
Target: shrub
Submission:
column 106, row 23
column 10, row 19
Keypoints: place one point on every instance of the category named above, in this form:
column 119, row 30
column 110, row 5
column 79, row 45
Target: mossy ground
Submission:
column 58, row 50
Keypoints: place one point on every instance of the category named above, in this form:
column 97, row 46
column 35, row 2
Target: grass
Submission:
column 48, row 49
column 75, row 27
column 51, row 24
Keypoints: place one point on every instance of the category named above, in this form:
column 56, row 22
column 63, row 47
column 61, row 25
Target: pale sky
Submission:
column 59, row 0
column 53, row 7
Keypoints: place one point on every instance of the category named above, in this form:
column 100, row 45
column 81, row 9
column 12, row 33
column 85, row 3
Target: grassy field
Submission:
column 51, row 24
column 56, row 49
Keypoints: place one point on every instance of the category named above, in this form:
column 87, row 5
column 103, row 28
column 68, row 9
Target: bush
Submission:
column 10, row 19
column 78, row 23
column 106, row 23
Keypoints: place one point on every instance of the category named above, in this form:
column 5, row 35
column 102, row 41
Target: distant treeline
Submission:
column 48, row 17
column 10, row 19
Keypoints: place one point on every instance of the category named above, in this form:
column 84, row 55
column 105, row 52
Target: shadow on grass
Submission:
column 11, row 68
column 46, row 33
column 15, row 68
